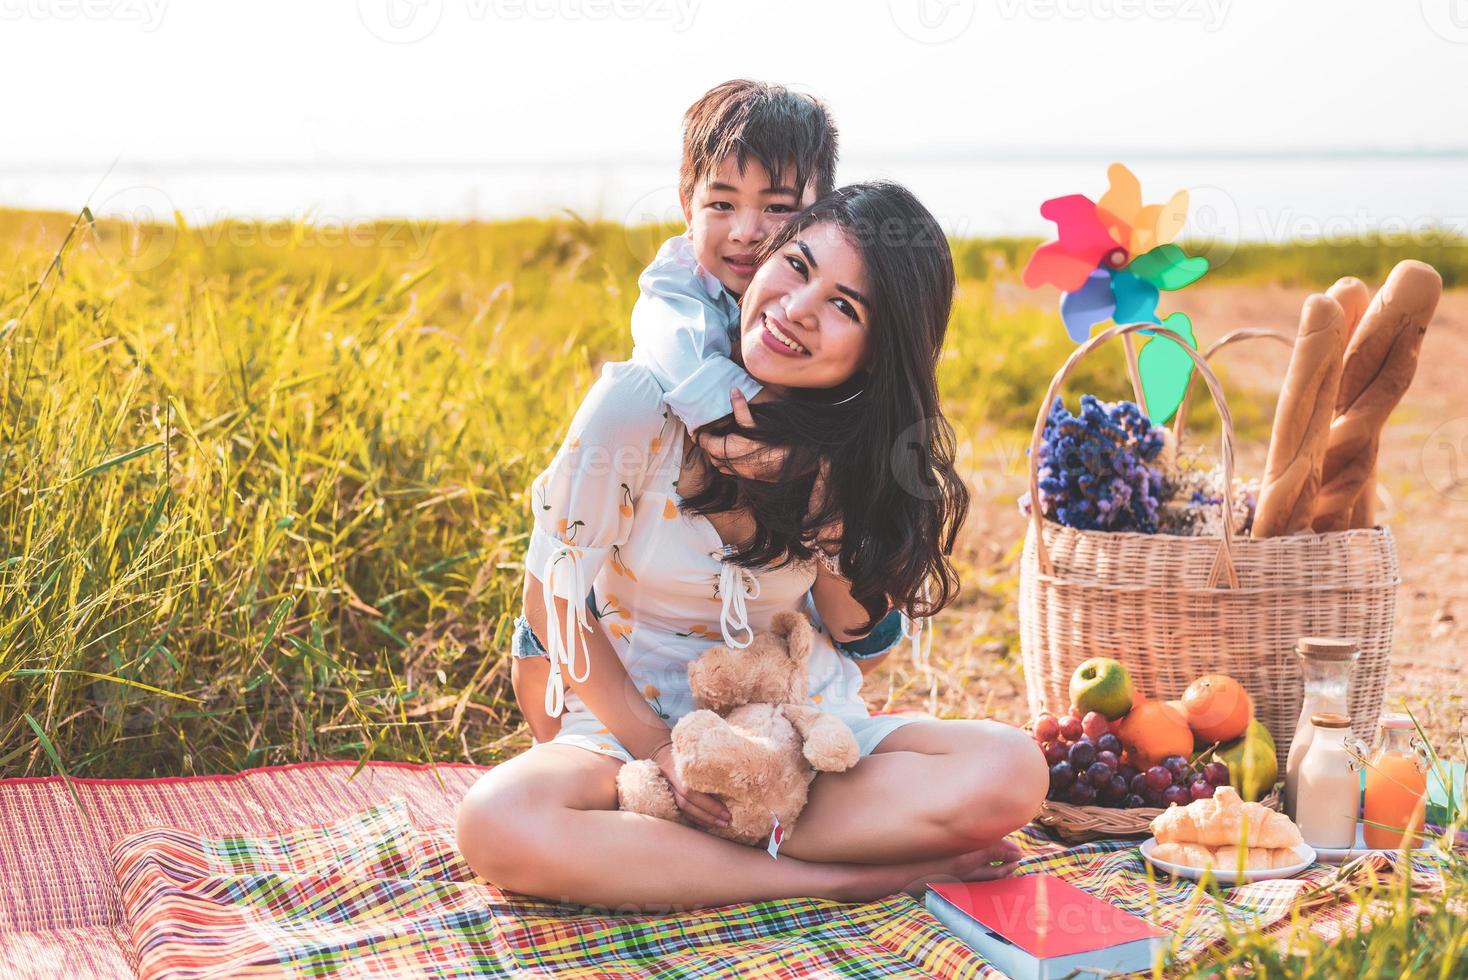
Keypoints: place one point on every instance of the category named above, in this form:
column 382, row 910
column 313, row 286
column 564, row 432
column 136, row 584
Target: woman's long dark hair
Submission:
column 891, row 479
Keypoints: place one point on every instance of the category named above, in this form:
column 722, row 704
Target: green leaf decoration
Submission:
column 1168, row 267
column 1166, row 369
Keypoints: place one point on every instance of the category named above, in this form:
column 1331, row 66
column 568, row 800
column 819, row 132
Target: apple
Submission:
column 1102, row 685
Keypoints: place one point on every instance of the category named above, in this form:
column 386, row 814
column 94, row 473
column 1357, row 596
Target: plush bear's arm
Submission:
column 829, row 745
column 642, row 788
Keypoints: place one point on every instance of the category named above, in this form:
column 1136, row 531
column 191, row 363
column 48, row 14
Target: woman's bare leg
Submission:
column 527, row 677
column 545, row 823
column 931, row 788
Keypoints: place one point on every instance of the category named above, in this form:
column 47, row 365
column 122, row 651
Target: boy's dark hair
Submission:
column 774, row 125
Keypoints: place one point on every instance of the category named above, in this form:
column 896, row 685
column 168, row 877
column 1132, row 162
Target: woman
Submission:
column 843, row 324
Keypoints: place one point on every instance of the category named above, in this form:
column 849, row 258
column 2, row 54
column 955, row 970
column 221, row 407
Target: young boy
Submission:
column 753, row 154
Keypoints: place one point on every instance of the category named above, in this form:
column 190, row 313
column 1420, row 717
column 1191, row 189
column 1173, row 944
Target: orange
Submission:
column 1154, row 730
column 1217, row 708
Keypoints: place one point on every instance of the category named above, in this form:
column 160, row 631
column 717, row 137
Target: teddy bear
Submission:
column 753, row 739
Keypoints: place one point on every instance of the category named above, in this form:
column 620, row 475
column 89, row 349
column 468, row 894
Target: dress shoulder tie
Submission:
column 736, row 584
column 561, row 645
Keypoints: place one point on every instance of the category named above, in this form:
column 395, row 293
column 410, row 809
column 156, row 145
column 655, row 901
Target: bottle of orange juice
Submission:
column 1396, row 787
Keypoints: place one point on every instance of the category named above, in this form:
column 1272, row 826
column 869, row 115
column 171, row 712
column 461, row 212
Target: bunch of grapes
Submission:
column 1096, row 470
column 1088, row 767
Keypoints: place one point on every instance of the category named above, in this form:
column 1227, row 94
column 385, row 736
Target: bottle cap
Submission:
column 1327, row 648
column 1396, row 721
column 1329, row 719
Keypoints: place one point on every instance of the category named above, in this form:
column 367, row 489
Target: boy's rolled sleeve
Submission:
column 704, row 395
column 682, row 330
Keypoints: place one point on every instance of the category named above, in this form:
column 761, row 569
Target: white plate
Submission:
column 1340, row 855
column 1229, row 876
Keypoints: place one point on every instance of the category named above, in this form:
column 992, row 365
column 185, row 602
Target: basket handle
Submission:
column 1179, row 418
column 1223, row 564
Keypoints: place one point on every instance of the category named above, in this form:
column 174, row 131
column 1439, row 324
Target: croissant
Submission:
column 1225, row 819
column 1188, row 855
column 1225, row 858
column 1261, row 858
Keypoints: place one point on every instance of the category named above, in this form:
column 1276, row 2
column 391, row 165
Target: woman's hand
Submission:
column 702, row 809
column 736, row 455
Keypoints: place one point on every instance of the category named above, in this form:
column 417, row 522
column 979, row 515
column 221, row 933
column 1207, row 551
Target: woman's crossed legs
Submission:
column 931, row 803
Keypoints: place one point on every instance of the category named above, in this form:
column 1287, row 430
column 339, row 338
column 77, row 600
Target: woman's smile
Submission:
column 777, row 337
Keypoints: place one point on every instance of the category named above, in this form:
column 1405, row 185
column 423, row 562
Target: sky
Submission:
column 228, row 85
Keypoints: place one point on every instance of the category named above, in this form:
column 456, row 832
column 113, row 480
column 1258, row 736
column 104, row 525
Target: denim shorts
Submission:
column 881, row 639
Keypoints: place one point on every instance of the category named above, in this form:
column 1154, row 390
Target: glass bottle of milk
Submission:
column 1326, row 665
column 1329, row 800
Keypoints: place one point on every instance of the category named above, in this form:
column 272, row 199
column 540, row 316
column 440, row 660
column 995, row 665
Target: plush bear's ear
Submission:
column 715, row 678
column 796, row 632
column 798, row 638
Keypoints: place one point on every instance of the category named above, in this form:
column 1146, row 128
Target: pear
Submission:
column 1252, row 763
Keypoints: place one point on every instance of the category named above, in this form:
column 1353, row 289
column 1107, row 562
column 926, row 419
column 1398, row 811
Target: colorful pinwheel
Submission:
column 1111, row 261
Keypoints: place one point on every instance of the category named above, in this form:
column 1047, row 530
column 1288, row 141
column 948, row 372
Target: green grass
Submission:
column 261, row 485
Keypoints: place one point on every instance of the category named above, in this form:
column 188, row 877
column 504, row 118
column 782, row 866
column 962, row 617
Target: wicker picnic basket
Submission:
column 1172, row 607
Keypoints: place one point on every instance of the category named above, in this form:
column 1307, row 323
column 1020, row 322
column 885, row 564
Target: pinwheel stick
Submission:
column 1134, row 373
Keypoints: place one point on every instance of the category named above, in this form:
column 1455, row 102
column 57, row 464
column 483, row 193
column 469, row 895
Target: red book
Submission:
column 1043, row 926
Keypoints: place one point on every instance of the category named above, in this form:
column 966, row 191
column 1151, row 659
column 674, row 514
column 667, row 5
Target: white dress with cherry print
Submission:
column 606, row 521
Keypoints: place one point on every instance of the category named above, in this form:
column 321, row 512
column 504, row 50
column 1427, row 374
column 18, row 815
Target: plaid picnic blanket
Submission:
column 323, row 861
column 373, row 895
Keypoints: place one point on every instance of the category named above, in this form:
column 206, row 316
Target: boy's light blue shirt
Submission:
column 683, row 326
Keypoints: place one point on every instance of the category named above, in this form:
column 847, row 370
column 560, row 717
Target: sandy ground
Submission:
column 1423, row 474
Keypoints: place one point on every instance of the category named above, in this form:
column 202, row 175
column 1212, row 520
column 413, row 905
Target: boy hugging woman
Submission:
column 753, row 155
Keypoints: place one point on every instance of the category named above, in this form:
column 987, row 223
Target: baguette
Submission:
column 1353, row 296
column 1363, row 511
column 1379, row 363
column 1302, row 421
